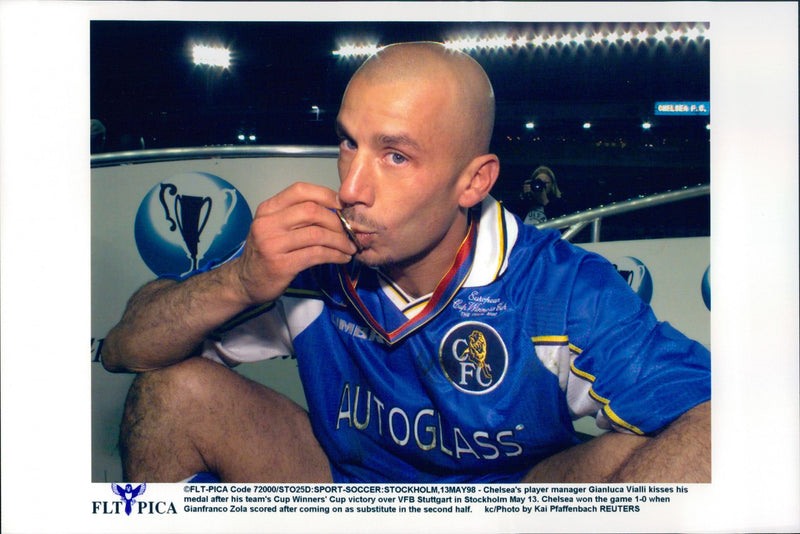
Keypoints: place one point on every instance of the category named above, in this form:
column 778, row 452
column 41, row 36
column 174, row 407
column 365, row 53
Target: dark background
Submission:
column 148, row 94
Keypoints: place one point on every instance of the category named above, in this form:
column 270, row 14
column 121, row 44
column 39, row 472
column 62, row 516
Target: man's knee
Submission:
column 158, row 404
column 187, row 382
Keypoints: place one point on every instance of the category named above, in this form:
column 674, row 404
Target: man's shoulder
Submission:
column 533, row 239
column 545, row 249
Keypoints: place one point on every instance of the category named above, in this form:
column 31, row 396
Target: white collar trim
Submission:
column 497, row 233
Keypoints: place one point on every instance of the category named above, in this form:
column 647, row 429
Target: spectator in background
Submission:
column 535, row 191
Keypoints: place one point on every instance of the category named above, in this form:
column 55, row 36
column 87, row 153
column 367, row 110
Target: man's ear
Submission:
column 481, row 174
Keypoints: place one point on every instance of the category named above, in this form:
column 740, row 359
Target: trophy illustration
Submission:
column 632, row 275
column 191, row 215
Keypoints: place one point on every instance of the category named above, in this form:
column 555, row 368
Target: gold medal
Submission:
column 349, row 230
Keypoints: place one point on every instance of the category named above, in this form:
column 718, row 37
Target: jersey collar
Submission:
column 497, row 235
column 481, row 258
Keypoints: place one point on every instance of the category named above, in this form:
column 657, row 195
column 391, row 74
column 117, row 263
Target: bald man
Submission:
column 438, row 339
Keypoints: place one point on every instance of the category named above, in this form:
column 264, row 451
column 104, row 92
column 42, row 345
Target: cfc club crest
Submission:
column 473, row 357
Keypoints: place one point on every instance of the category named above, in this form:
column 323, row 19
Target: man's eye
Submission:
column 397, row 158
column 347, row 144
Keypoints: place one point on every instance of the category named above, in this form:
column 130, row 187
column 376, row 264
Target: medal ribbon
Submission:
column 444, row 293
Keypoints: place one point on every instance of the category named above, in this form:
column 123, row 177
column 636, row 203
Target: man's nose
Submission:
column 356, row 180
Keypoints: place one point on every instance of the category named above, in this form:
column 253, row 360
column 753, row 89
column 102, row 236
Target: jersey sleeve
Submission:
column 631, row 371
column 258, row 334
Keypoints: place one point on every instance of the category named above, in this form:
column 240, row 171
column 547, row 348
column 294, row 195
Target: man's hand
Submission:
column 292, row 231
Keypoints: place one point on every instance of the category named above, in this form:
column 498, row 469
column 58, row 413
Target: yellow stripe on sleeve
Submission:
column 605, row 402
column 618, row 420
column 550, row 339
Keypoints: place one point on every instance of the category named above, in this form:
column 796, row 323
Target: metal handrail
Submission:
column 174, row 154
column 575, row 222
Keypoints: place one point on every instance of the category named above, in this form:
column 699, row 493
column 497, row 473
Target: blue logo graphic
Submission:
column 637, row 275
column 473, row 357
column 128, row 494
column 705, row 288
column 189, row 222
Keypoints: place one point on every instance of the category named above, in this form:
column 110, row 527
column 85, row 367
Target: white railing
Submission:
column 575, row 222
column 181, row 154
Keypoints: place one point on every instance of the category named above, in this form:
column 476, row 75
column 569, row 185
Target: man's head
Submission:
column 415, row 124
column 467, row 85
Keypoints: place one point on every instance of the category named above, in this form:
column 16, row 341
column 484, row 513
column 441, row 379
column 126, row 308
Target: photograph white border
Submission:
column 44, row 248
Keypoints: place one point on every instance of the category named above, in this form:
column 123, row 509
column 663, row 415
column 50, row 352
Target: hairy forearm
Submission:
column 166, row 321
column 680, row 453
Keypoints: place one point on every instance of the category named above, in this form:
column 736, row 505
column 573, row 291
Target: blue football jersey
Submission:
column 482, row 379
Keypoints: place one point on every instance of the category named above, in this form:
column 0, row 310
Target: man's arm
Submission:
column 679, row 453
column 166, row 321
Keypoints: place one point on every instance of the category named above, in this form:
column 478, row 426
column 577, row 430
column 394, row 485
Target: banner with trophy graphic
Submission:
column 189, row 222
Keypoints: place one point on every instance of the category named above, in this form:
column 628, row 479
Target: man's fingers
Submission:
column 310, row 236
column 299, row 193
column 292, row 231
column 307, row 214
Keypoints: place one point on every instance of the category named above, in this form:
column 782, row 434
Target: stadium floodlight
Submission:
column 587, row 125
column 357, row 50
column 586, row 37
column 646, row 125
column 529, row 126
column 212, row 56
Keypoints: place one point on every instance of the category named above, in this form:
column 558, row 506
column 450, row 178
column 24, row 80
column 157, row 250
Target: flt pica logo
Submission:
column 128, row 494
column 128, row 502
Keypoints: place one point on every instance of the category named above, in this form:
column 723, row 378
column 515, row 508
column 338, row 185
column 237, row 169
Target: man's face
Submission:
column 400, row 166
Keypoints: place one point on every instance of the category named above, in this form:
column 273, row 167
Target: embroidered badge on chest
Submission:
column 473, row 357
